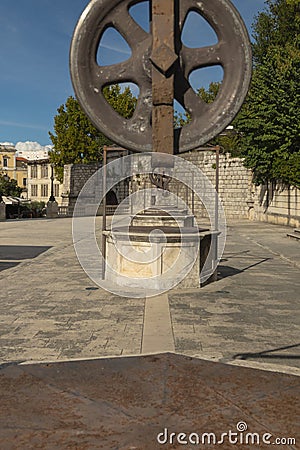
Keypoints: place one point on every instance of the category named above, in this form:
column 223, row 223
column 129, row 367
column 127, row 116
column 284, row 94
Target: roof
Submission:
column 19, row 158
column 13, row 200
column 39, row 161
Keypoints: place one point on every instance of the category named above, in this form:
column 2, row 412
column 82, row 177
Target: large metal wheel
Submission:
column 232, row 52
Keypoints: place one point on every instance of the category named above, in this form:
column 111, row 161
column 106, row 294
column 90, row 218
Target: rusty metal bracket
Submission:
column 161, row 180
column 155, row 62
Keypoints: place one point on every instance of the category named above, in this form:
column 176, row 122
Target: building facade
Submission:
column 21, row 175
column 39, row 174
column 8, row 161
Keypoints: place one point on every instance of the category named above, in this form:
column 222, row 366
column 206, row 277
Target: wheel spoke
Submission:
column 194, row 105
column 186, row 96
column 116, row 73
column 195, row 58
column 127, row 26
column 140, row 120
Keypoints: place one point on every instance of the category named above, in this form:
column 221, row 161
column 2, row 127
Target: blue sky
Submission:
column 35, row 37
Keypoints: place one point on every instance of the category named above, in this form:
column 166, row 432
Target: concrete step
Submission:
column 294, row 234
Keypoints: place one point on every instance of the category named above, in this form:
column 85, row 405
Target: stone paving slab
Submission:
column 157, row 331
column 146, row 403
column 252, row 312
column 51, row 310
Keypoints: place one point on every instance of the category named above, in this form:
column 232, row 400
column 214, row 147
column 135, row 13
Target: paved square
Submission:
column 51, row 311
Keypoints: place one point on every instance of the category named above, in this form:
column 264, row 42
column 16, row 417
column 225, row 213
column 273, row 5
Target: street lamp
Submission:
column 52, row 198
column 52, row 206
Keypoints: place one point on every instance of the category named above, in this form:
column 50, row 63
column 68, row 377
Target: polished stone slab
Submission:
column 146, row 403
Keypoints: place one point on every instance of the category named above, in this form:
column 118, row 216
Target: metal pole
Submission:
column 217, row 187
column 186, row 194
column 52, row 198
column 193, row 195
column 104, row 212
column 216, row 225
column 145, row 195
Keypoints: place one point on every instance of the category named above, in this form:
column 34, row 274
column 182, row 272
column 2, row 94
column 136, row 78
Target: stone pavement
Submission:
column 152, row 402
column 51, row 311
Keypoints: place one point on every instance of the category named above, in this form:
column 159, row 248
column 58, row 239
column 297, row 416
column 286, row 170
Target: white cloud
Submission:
column 116, row 48
column 6, row 143
column 30, row 146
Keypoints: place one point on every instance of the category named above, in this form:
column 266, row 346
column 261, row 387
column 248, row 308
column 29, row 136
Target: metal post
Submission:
column 214, row 241
column 145, row 195
column 217, row 187
column 193, row 195
column 104, row 212
column 186, row 194
column 52, row 198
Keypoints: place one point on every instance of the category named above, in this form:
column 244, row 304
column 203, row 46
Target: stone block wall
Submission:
column 75, row 177
column 235, row 181
column 241, row 199
column 276, row 203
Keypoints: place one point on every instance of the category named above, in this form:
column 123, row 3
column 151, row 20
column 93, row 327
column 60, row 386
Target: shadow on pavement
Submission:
column 19, row 252
column 228, row 271
column 266, row 354
column 8, row 265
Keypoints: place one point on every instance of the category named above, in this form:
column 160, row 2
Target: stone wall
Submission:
column 234, row 181
column 241, row 199
column 276, row 203
column 75, row 177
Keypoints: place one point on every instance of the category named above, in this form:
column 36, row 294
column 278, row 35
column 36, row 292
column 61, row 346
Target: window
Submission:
column 56, row 190
column 34, row 190
column 5, row 161
column 44, row 171
column 33, row 172
column 44, row 190
column 24, row 181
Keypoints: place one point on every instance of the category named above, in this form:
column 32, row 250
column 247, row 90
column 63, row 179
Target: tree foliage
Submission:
column 275, row 27
column 207, row 95
column 9, row 187
column 75, row 139
column 269, row 121
column 267, row 129
column 123, row 102
column 228, row 141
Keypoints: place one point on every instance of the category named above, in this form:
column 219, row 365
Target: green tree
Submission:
column 75, row 139
column 277, row 26
column 9, row 187
column 123, row 103
column 269, row 122
column 229, row 141
column 207, row 95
